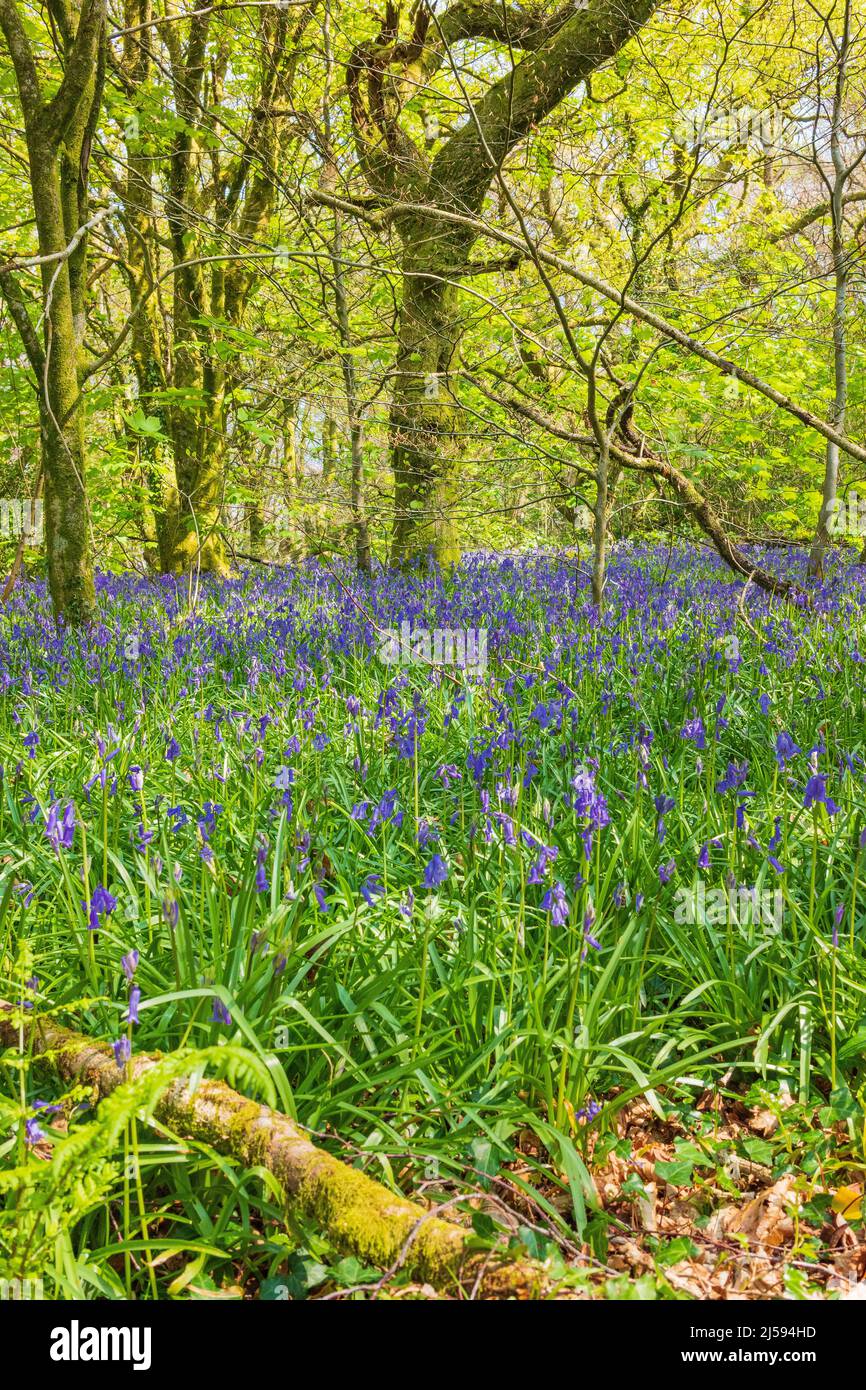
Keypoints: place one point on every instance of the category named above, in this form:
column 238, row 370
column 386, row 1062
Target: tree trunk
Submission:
column 424, row 414
column 329, row 449
column 70, row 578
column 600, row 520
column 561, row 48
column 58, row 135
column 292, row 542
column 830, row 489
column 190, row 535
column 360, row 1215
column 256, row 521
column 363, row 553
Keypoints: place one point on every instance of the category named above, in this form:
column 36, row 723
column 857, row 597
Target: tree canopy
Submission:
column 286, row 278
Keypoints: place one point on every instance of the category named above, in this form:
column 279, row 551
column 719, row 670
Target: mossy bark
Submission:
column 560, row 49
column 70, row 578
column 237, row 196
column 58, row 134
column 424, row 414
column 141, row 267
column 360, row 1215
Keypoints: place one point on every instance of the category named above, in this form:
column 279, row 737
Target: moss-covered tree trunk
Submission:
column 826, row 523
column 140, row 264
column 424, row 416
column 559, row 48
column 70, row 578
column 58, row 134
column 362, row 1217
column 210, row 192
column 190, row 534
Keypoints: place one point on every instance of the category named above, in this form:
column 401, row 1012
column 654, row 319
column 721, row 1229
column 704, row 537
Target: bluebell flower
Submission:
column 261, row 877
column 60, row 830
column 371, row 889
column 816, row 793
column 588, row 922
column 663, row 804
column 384, row 810
column 589, row 1111
column 102, row 903
column 556, row 903
column 693, row 729
column 837, row 922
column 588, row 801
column 546, row 856
column 131, row 1015
column 129, row 963
column 733, row 778
column 33, row 1132
column 219, row 1012
column 786, row 749
column 320, row 897
column 141, row 837
column 436, row 872
column 426, row 833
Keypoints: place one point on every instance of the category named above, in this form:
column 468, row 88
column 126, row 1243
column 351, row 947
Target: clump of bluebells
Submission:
column 418, row 881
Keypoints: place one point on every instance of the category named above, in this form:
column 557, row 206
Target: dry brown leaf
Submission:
column 691, row 1277
column 764, row 1122
column 721, row 1222
column 765, row 1219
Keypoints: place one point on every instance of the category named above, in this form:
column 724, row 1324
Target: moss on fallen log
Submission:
column 360, row 1215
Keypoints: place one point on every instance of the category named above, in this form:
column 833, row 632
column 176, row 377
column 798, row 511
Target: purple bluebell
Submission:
column 371, row 889
column 436, row 871
column 219, row 1012
column 129, row 963
column 816, row 794
column 131, row 1015
column 556, row 903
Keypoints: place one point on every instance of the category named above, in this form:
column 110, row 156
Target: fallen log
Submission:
column 360, row 1215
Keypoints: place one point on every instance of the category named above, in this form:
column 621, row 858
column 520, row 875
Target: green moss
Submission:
column 358, row 1214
